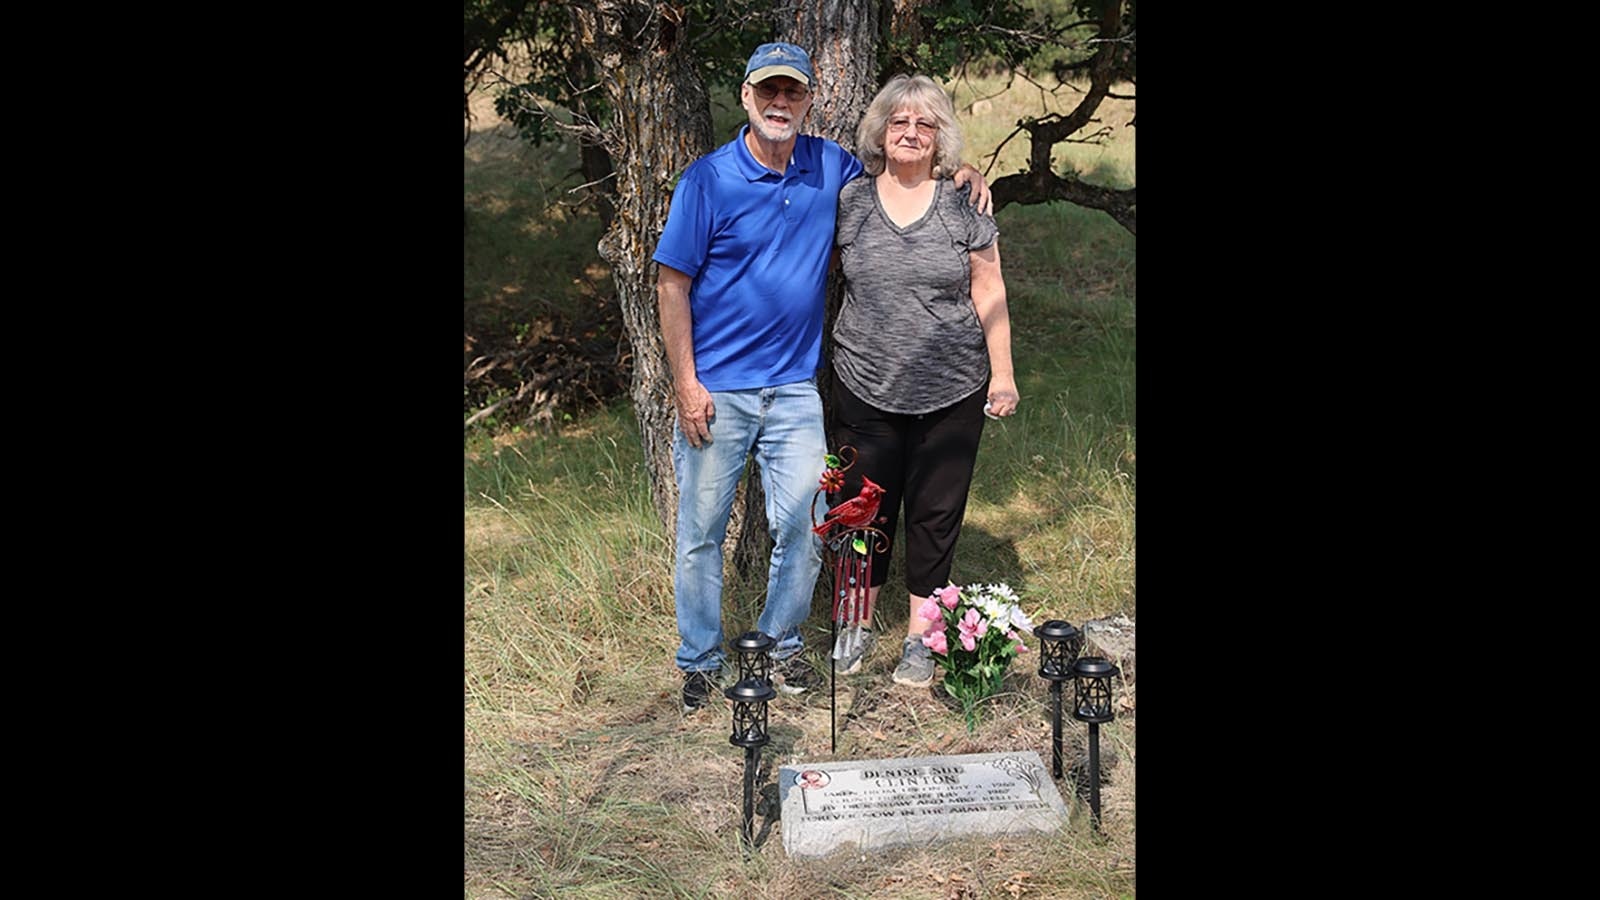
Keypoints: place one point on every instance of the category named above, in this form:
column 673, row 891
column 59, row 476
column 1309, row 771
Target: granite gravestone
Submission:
column 876, row 803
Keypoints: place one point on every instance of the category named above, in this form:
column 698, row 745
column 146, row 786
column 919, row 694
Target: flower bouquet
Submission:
column 974, row 638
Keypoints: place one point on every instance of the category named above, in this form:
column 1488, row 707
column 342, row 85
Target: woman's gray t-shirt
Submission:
column 908, row 339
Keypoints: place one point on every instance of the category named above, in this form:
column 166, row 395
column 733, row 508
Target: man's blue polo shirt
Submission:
column 757, row 245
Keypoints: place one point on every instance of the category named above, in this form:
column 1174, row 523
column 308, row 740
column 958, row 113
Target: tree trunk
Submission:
column 842, row 38
column 595, row 164
column 904, row 25
column 661, row 122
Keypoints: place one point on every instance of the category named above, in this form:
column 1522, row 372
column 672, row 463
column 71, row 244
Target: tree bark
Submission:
column 661, row 122
column 904, row 25
column 1042, row 186
column 842, row 38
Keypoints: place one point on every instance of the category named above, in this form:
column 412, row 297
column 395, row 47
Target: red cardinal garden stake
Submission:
column 847, row 533
column 857, row 512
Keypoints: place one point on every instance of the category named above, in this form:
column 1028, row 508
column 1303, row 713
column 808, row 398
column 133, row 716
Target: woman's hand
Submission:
column 1003, row 397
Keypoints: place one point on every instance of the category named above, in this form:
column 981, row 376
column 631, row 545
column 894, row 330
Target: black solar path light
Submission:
column 1092, row 678
column 754, row 651
column 750, row 698
column 1059, row 644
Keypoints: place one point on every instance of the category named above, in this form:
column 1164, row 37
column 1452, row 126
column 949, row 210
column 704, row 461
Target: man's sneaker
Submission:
column 850, row 663
column 698, row 687
column 793, row 675
column 916, row 664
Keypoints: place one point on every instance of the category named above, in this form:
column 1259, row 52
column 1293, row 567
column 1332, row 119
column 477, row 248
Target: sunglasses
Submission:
column 768, row 91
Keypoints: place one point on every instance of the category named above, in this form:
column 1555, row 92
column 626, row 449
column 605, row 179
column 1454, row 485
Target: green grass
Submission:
column 582, row 777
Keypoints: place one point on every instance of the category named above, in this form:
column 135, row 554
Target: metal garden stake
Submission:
column 750, row 698
column 1092, row 677
column 1059, row 643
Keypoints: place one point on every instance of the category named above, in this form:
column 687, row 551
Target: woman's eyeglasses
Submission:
column 924, row 129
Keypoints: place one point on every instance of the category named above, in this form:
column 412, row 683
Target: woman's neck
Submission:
column 906, row 177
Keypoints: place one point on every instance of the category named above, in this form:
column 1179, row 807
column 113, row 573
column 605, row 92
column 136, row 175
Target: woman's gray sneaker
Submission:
column 916, row 664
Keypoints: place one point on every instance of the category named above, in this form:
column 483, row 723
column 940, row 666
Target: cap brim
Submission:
column 765, row 72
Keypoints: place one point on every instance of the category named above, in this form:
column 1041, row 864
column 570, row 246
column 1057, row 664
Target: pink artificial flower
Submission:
column 1021, row 647
column 935, row 640
column 973, row 626
column 948, row 595
column 930, row 611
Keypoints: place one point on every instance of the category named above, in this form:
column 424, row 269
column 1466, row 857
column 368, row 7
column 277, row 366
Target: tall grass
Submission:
column 583, row 778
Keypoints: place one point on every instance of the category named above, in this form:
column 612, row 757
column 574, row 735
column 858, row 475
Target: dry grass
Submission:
column 584, row 779
column 624, row 796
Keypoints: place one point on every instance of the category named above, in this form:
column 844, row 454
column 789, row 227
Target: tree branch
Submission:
column 585, row 128
column 1010, row 79
column 1121, row 39
column 1102, row 69
column 995, row 156
column 1040, row 183
column 589, row 184
column 1042, row 187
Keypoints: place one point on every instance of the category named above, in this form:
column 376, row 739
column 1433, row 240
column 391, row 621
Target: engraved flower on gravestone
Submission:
column 1021, row 769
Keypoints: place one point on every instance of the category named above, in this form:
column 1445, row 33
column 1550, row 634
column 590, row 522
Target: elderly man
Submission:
column 743, row 264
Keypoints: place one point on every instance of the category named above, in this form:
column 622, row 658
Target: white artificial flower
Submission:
column 1020, row 621
column 994, row 608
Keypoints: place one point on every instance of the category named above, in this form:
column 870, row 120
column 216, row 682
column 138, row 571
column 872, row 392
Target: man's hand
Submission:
column 695, row 410
column 980, row 197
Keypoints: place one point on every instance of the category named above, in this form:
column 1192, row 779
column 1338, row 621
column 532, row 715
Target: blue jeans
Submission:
column 783, row 425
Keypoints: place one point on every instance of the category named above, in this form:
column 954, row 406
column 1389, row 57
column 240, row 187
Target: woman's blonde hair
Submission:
column 920, row 93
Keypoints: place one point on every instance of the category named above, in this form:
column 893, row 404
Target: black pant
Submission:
column 926, row 460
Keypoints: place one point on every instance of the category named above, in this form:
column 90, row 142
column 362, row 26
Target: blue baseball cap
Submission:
column 771, row 60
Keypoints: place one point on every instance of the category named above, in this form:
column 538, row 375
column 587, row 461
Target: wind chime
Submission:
column 849, row 538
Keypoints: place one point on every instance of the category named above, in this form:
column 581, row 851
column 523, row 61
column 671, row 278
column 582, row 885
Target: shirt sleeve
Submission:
column 686, row 238
column 850, row 167
column 982, row 232
column 969, row 229
column 851, row 213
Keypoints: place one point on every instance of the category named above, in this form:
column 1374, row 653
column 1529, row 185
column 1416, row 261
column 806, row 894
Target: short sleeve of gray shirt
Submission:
column 907, row 339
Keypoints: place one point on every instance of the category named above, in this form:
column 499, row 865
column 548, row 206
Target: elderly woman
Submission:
column 922, row 344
